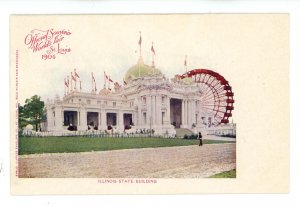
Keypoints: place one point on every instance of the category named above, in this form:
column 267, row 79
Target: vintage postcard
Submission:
column 149, row 104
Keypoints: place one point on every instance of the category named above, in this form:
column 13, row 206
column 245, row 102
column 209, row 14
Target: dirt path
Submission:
column 166, row 162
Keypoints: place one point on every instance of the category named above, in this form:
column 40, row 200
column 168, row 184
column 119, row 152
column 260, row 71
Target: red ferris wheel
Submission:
column 217, row 96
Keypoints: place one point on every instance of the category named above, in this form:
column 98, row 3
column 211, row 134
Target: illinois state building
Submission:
column 198, row 100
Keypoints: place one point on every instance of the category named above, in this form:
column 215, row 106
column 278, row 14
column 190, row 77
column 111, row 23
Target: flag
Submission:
column 93, row 78
column 76, row 75
column 140, row 40
column 105, row 76
column 152, row 49
column 110, row 80
column 94, row 81
column 74, row 79
column 124, row 82
column 66, row 83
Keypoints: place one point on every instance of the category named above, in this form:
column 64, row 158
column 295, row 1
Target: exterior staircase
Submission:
column 180, row 132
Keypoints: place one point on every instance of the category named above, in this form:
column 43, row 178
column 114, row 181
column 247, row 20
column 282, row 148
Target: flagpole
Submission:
column 108, row 82
column 140, row 43
column 75, row 78
column 104, row 80
column 185, row 64
column 92, row 82
column 80, row 86
column 68, row 84
column 65, row 85
column 152, row 50
column 71, row 82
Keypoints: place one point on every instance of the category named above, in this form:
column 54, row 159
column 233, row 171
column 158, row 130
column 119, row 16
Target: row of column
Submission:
column 188, row 110
column 154, row 110
column 153, row 114
column 55, row 119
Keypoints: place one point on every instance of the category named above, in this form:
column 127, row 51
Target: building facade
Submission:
column 148, row 100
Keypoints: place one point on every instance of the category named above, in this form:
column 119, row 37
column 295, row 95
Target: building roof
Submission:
column 140, row 70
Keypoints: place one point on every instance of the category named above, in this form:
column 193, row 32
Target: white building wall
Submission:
column 50, row 121
column 103, row 120
column 58, row 119
column 82, row 125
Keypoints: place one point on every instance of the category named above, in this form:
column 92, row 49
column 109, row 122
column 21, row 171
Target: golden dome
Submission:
column 140, row 70
column 187, row 80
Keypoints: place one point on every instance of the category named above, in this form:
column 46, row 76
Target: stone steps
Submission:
column 180, row 132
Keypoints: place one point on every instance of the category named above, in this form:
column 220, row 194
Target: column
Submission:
column 190, row 114
column 103, row 124
column 153, row 110
column 182, row 112
column 186, row 112
column 158, row 110
column 120, row 121
column 99, row 119
column 134, row 118
column 139, row 117
column 58, row 119
column 82, row 119
column 148, row 113
column 193, row 112
column 168, row 113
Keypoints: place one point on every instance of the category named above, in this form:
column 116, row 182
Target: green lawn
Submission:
column 30, row 145
column 226, row 174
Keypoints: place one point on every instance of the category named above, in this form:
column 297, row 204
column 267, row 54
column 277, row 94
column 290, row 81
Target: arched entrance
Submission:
column 175, row 112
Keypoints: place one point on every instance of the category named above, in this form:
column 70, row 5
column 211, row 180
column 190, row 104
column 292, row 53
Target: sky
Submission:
column 227, row 44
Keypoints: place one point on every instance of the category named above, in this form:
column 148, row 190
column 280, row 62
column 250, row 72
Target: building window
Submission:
column 114, row 104
column 72, row 100
column 163, row 117
column 144, row 100
column 88, row 101
column 163, row 99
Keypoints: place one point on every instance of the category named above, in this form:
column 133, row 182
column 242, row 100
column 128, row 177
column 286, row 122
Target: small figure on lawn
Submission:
column 200, row 139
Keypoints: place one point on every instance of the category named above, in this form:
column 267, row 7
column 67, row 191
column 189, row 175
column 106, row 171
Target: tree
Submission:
column 34, row 110
column 22, row 118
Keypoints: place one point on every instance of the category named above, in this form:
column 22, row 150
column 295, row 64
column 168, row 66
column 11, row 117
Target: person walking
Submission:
column 200, row 139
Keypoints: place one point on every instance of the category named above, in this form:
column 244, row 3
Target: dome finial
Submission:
column 140, row 44
column 185, row 64
column 153, row 53
column 140, row 59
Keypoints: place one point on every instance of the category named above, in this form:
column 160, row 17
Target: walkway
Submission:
column 165, row 162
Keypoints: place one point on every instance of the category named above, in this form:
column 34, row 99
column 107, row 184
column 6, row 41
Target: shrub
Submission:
column 185, row 136
column 193, row 136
